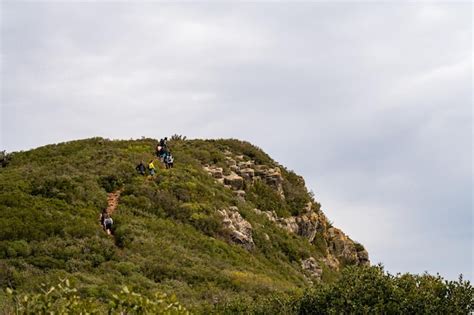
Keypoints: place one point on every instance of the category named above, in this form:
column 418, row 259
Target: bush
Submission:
column 110, row 183
column 63, row 298
column 369, row 290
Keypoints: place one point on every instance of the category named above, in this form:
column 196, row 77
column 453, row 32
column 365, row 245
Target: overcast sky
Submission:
column 370, row 102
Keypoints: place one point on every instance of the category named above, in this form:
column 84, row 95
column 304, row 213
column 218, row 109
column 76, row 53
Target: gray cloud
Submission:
column 370, row 102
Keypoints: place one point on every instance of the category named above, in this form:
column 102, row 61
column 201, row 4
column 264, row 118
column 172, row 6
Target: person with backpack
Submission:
column 108, row 222
column 141, row 168
column 169, row 160
column 151, row 168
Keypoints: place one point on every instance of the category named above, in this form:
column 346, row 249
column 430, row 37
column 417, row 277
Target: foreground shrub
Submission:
column 65, row 299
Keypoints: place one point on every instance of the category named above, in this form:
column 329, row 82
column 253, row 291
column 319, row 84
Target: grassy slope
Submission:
column 167, row 236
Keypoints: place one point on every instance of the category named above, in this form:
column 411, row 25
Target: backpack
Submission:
column 108, row 221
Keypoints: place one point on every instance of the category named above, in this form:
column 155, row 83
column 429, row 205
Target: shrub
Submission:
column 110, row 183
column 267, row 199
column 63, row 298
column 370, row 290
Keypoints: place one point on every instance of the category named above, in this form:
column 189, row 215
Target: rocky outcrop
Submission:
column 343, row 248
column 240, row 230
column 234, row 181
column 305, row 225
column 331, row 262
column 216, row 172
column 274, row 179
column 311, row 267
column 241, row 172
column 246, row 171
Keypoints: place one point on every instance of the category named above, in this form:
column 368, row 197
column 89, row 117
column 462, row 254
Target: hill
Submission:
column 225, row 226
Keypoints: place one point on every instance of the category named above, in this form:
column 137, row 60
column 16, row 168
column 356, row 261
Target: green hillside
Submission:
column 225, row 227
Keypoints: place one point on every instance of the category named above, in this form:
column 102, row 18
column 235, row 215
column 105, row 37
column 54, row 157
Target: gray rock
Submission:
column 311, row 267
column 247, row 173
column 235, row 181
column 240, row 230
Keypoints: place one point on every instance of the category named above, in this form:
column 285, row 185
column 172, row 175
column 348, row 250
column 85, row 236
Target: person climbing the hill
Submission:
column 141, row 168
column 163, row 154
column 151, row 168
column 108, row 222
column 165, row 142
column 169, row 160
column 102, row 217
column 158, row 150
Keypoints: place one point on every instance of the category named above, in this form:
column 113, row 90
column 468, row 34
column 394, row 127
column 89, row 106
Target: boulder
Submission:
column 216, row 172
column 274, row 179
column 235, row 181
column 240, row 230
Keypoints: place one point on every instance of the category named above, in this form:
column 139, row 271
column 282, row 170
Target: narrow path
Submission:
column 112, row 204
column 112, row 201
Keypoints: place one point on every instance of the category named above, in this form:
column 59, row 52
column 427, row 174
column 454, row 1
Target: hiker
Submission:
column 163, row 154
column 158, row 150
column 108, row 224
column 102, row 217
column 151, row 168
column 169, row 160
column 141, row 168
column 163, row 142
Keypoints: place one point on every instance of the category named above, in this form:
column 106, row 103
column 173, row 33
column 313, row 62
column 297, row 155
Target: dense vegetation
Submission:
column 369, row 290
column 167, row 235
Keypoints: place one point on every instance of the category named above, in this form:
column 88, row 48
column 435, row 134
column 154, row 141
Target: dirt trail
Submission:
column 112, row 201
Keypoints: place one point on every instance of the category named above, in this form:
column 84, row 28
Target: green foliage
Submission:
column 359, row 247
column 370, row 290
column 63, row 298
column 296, row 194
column 365, row 290
column 267, row 199
column 110, row 183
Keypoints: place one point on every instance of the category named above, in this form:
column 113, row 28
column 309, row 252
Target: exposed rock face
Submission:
column 342, row 247
column 243, row 172
column 240, row 229
column 305, row 225
column 331, row 262
column 246, row 171
column 312, row 268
